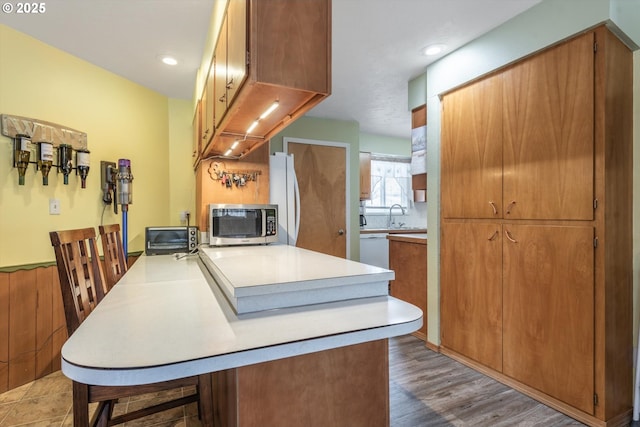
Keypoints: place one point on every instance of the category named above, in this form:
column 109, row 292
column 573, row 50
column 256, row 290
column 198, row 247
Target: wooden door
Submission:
column 236, row 47
column 471, row 291
column 549, row 134
column 471, row 160
column 321, row 172
column 549, row 310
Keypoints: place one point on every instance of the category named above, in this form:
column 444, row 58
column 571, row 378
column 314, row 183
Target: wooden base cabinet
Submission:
column 471, row 291
column 408, row 258
column 548, row 312
column 536, row 265
column 346, row 386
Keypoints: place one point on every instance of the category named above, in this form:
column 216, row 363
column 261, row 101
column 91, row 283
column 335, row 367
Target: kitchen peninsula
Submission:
column 319, row 364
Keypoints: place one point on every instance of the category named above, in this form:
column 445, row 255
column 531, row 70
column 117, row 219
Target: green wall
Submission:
column 385, row 144
column 121, row 119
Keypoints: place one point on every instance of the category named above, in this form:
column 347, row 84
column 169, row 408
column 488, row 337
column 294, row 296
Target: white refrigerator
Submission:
column 284, row 192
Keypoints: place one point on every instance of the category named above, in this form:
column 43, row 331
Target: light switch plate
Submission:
column 54, row 207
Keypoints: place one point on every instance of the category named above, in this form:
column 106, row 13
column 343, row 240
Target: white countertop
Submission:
column 168, row 319
column 256, row 278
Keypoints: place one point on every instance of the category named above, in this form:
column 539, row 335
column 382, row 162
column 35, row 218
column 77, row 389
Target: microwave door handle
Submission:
column 263, row 232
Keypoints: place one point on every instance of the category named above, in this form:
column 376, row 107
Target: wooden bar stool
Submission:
column 115, row 262
column 83, row 286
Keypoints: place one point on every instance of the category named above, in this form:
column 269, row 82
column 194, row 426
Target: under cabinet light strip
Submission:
column 263, row 115
column 270, row 110
column 253, row 126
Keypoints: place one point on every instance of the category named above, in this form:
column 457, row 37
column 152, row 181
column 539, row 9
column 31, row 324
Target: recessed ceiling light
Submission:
column 167, row 59
column 433, row 49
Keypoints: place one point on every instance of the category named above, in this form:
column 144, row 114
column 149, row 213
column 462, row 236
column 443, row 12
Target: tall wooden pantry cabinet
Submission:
column 536, row 243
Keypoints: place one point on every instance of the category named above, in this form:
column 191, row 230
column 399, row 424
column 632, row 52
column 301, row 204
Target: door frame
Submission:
column 347, row 178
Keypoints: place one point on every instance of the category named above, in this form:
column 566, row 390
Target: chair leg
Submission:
column 80, row 404
column 103, row 414
column 205, row 401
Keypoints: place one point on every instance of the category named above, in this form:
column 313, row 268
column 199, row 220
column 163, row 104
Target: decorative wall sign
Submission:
column 230, row 177
column 41, row 131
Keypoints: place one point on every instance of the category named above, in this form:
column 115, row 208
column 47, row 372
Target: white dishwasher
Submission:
column 374, row 249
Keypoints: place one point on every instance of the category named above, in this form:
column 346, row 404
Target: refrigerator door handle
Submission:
column 297, row 207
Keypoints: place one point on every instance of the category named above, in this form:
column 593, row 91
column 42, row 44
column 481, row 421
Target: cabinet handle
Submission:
column 495, row 210
column 341, row 232
column 230, row 84
column 493, row 236
column 511, row 205
column 223, row 98
column 508, row 234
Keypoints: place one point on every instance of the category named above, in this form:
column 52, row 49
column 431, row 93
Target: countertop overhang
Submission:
column 167, row 318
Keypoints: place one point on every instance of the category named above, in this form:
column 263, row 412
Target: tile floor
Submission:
column 47, row 402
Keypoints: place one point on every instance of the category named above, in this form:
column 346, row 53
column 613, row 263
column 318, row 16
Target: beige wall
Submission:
column 121, row 119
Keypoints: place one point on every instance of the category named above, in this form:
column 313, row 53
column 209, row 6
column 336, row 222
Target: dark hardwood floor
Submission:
column 430, row 389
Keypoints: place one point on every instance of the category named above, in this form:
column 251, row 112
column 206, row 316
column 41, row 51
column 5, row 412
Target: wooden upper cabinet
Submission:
column 197, row 132
column 365, row 175
column 548, row 134
column 220, row 73
column 280, row 52
column 520, row 144
column 236, row 47
column 208, row 110
column 472, row 151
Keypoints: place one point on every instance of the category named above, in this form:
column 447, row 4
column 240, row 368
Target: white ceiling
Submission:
column 376, row 45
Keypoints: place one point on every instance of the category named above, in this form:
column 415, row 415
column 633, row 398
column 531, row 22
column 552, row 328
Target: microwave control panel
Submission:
column 272, row 222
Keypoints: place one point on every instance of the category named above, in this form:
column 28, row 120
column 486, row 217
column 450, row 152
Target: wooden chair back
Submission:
column 83, row 286
column 115, row 263
column 81, row 277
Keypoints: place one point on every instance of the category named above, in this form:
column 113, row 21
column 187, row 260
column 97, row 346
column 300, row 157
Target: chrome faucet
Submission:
column 390, row 209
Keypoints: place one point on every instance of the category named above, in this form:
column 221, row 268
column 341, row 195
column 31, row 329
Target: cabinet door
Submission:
column 409, row 261
column 236, row 47
column 220, row 86
column 197, row 132
column 548, row 134
column 471, row 291
column 208, row 102
column 365, row 176
column 549, row 310
column 472, row 151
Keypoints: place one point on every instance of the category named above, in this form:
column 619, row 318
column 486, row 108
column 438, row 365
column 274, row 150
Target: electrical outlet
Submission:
column 183, row 215
column 54, row 207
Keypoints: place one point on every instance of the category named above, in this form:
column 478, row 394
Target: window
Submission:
column 390, row 183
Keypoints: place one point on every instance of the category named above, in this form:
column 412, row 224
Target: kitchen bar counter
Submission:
column 167, row 318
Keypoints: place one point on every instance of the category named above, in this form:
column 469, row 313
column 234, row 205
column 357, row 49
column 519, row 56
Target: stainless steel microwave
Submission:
column 170, row 240
column 231, row 224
